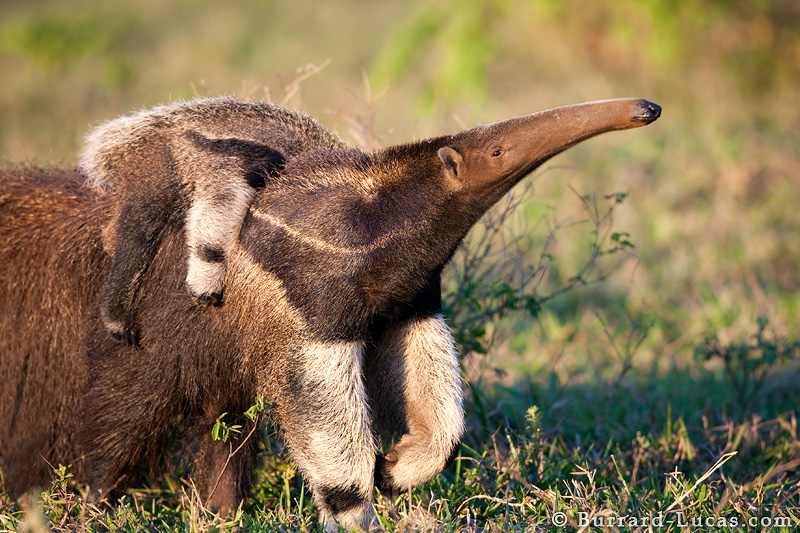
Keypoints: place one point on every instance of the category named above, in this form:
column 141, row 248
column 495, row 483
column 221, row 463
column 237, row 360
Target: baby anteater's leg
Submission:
column 432, row 395
column 326, row 425
column 213, row 222
column 135, row 236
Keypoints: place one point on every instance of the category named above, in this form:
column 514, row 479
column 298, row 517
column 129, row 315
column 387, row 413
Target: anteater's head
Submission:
column 484, row 162
column 438, row 188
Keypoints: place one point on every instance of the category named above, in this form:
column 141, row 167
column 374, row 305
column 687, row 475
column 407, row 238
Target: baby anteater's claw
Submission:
column 120, row 331
column 210, row 299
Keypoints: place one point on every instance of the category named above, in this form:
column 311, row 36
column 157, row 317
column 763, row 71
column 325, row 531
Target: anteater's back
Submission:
column 51, row 257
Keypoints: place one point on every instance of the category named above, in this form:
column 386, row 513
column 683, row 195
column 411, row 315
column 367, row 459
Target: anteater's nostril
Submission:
column 654, row 109
column 647, row 113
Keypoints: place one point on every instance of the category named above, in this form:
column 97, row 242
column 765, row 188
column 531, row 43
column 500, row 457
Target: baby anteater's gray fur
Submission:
column 196, row 163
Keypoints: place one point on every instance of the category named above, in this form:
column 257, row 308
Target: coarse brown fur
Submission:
column 44, row 318
column 63, row 364
column 332, row 314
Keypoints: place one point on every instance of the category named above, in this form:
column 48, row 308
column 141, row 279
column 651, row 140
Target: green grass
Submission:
column 681, row 447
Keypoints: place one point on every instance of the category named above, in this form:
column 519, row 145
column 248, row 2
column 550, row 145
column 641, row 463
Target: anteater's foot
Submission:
column 121, row 333
column 206, row 280
column 209, row 299
column 383, row 477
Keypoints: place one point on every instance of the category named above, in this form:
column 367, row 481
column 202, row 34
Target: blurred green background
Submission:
column 712, row 187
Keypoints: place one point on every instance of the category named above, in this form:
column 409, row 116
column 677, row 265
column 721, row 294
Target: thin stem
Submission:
column 231, row 453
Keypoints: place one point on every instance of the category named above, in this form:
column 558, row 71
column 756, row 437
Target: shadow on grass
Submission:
column 645, row 404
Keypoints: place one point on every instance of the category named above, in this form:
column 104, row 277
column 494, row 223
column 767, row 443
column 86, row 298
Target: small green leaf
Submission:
column 255, row 409
column 220, row 429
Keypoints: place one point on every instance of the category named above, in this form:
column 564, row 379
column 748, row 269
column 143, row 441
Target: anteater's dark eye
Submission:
column 497, row 153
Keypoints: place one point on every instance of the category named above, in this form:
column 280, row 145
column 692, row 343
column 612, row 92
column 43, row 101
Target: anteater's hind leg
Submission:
column 223, row 470
column 127, row 409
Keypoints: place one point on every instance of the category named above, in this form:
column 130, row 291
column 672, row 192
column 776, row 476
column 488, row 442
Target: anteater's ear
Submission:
column 453, row 162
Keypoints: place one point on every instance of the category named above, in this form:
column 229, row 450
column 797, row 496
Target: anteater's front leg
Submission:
column 414, row 375
column 325, row 418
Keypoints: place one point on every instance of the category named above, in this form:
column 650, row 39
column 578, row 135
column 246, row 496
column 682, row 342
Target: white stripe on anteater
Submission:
column 381, row 242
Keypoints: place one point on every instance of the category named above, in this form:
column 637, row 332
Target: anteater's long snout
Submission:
column 648, row 112
column 528, row 141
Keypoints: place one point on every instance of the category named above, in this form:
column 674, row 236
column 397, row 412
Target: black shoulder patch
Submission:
column 256, row 177
column 261, row 161
column 341, row 499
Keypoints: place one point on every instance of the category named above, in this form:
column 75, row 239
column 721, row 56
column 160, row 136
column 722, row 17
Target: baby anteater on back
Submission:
column 196, row 163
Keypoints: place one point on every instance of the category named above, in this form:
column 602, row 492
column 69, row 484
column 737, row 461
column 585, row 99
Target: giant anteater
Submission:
column 332, row 311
